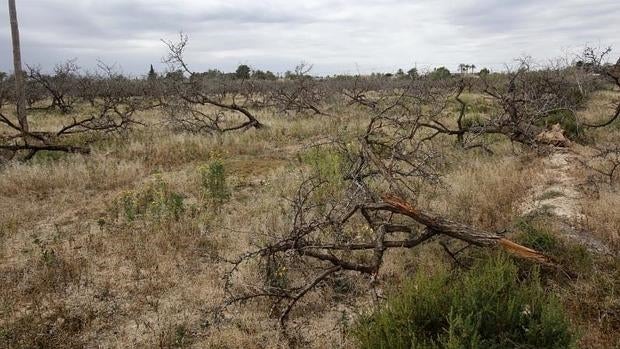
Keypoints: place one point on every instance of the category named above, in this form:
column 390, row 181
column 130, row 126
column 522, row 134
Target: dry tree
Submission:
column 593, row 61
column 363, row 90
column 36, row 96
column 61, row 87
column 195, row 106
column 112, row 111
column 5, row 90
column 114, row 107
column 351, row 223
column 300, row 92
column 523, row 103
column 605, row 162
column 525, row 100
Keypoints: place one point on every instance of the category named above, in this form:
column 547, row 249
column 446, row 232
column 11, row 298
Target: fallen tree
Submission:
column 111, row 112
column 61, row 87
column 194, row 106
column 350, row 224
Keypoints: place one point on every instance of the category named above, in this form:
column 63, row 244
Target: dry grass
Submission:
column 600, row 105
column 97, row 172
column 486, row 191
column 603, row 216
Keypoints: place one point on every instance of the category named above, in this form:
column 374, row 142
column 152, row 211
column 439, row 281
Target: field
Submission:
column 134, row 244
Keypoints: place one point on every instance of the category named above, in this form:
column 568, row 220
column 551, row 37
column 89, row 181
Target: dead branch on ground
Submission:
column 349, row 225
column 193, row 106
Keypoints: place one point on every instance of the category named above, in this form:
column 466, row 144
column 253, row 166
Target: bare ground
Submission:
column 562, row 194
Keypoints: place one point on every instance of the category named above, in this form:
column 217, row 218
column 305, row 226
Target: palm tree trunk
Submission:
column 19, row 75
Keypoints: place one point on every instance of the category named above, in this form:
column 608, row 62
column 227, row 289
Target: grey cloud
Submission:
column 337, row 35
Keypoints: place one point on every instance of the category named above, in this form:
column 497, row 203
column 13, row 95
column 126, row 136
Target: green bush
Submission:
column 45, row 157
column 567, row 120
column 327, row 165
column 213, row 182
column 155, row 199
column 486, row 307
column 537, row 239
column 472, row 121
column 572, row 256
column 277, row 274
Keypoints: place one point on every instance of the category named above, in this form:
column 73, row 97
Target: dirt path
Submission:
column 560, row 194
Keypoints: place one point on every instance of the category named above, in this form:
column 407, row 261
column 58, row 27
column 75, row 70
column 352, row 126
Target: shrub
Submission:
column 540, row 240
column 213, row 182
column 277, row 274
column 573, row 256
column 155, row 199
column 567, row 120
column 45, row 157
column 472, row 121
column 327, row 165
column 486, row 307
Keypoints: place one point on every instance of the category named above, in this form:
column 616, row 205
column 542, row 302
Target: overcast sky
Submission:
column 336, row 36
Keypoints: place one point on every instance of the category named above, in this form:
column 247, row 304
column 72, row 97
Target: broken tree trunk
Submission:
column 461, row 231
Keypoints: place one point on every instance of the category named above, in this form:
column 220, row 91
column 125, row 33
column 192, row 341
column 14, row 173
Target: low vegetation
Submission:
column 489, row 306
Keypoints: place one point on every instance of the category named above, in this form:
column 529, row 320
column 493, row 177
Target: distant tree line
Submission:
column 245, row 72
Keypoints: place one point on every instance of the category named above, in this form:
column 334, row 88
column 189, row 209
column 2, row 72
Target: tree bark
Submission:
column 17, row 63
column 461, row 231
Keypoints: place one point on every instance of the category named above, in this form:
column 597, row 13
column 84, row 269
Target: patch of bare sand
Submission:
column 561, row 195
